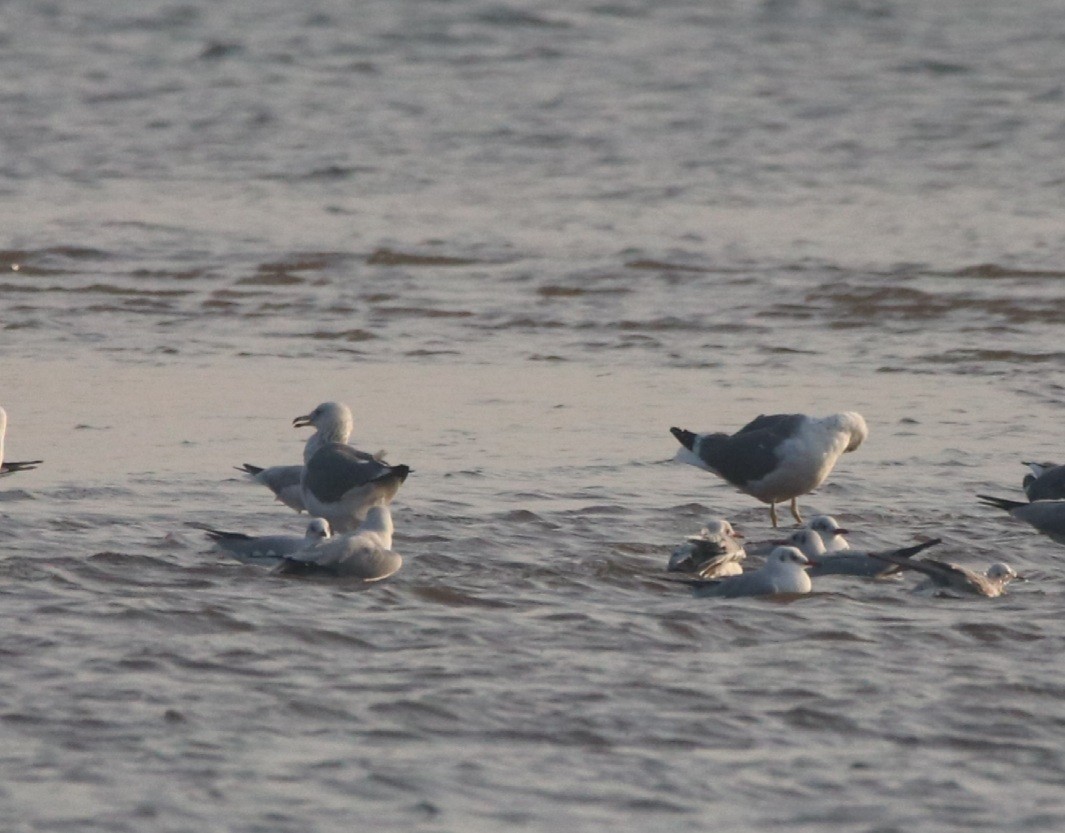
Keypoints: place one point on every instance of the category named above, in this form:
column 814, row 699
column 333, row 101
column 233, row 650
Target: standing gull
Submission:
column 944, row 576
column 10, row 467
column 365, row 554
column 1047, row 516
column 775, row 458
column 333, row 423
column 713, row 553
column 341, row 483
column 1046, row 482
column 784, row 572
column 849, row 562
column 266, row 550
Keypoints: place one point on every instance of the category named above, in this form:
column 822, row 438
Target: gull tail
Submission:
column 684, row 437
column 1000, row 502
column 248, row 468
column 910, row 552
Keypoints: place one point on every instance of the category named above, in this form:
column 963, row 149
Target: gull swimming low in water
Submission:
column 267, row 550
column 949, row 578
column 715, row 552
column 832, row 534
column 1047, row 516
column 849, row 562
column 1046, row 482
column 365, row 554
column 785, row 571
column 775, row 458
column 10, row 466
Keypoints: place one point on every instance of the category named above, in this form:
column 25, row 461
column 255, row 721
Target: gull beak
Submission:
column 301, row 421
column 841, row 532
column 1019, row 577
column 737, row 534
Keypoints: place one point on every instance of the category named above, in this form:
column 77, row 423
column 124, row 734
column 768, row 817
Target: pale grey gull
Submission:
column 1047, row 516
column 11, row 466
column 775, row 458
column 785, row 571
column 365, row 554
column 266, row 550
column 849, row 562
column 832, row 534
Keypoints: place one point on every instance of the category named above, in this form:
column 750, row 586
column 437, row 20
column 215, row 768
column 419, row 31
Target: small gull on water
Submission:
column 1046, row 482
column 775, row 458
column 266, row 550
column 11, row 466
column 713, row 553
column 365, row 554
column 1047, row 516
column 945, row 577
column 849, row 562
column 785, row 571
column 832, row 534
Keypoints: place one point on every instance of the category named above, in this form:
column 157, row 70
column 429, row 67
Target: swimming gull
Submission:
column 944, row 576
column 1047, row 516
column 266, row 550
column 777, row 457
column 849, row 562
column 713, row 553
column 364, row 554
column 333, row 423
column 341, row 483
column 1046, row 482
column 832, row 534
column 10, row 466
column 783, row 572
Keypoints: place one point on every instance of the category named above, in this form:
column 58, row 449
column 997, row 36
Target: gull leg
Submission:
column 773, row 514
column 795, row 509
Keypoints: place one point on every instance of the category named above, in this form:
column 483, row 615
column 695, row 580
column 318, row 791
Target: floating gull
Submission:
column 713, row 553
column 365, row 554
column 1047, row 516
column 832, row 534
column 1046, row 482
column 10, row 467
column 784, row 572
column 849, row 562
column 341, row 483
column 944, row 576
column 775, row 458
column 266, row 550
column 333, row 423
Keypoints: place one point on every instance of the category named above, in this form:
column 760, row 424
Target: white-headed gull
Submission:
column 777, row 457
column 266, row 550
column 953, row 578
column 341, row 483
column 10, row 467
column 715, row 552
column 1047, row 516
column 333, row 423
column 1046, row 482
column 785, row 571
column 832, row 534
column 365, row 554
column 849, row 562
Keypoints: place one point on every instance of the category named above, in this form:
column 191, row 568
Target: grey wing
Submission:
column 335, row 469
column 1048, row 516
column 1050, row 485
column 852, row 564
column 781, row 424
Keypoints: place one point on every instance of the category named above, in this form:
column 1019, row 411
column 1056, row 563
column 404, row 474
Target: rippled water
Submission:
column 522, row 243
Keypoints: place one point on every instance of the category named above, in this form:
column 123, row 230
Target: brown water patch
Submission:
column 994, row 270
column 390, row 257
column 664, row 266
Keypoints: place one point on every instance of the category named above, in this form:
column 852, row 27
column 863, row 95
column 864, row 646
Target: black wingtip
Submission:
column 1000, row 502
column 401, row 471
column 909, row 552
column 248, row 468
column 684, row 437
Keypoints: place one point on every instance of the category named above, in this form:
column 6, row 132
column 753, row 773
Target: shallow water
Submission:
column 521, row 245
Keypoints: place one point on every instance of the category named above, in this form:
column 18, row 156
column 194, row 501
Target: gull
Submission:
column 10, row 467
column 784, row 572
column 947, row 577
column 713, row 553
column 341, row 483
column 364, row 554
column 266, row 550
column 1047, row 516
column 849, row 562
column 333, row 423
column 832, row 534
column 775, row 458
column 1046, row 482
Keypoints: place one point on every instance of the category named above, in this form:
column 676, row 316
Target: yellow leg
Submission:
column 795, row 509
column 773, row 514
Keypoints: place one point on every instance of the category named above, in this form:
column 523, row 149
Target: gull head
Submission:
column 318, row 529
column 826, row 526
column 853, row 423
column 1002, row 572
column 788, row 558
column 332, row 419
column 807, row 541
